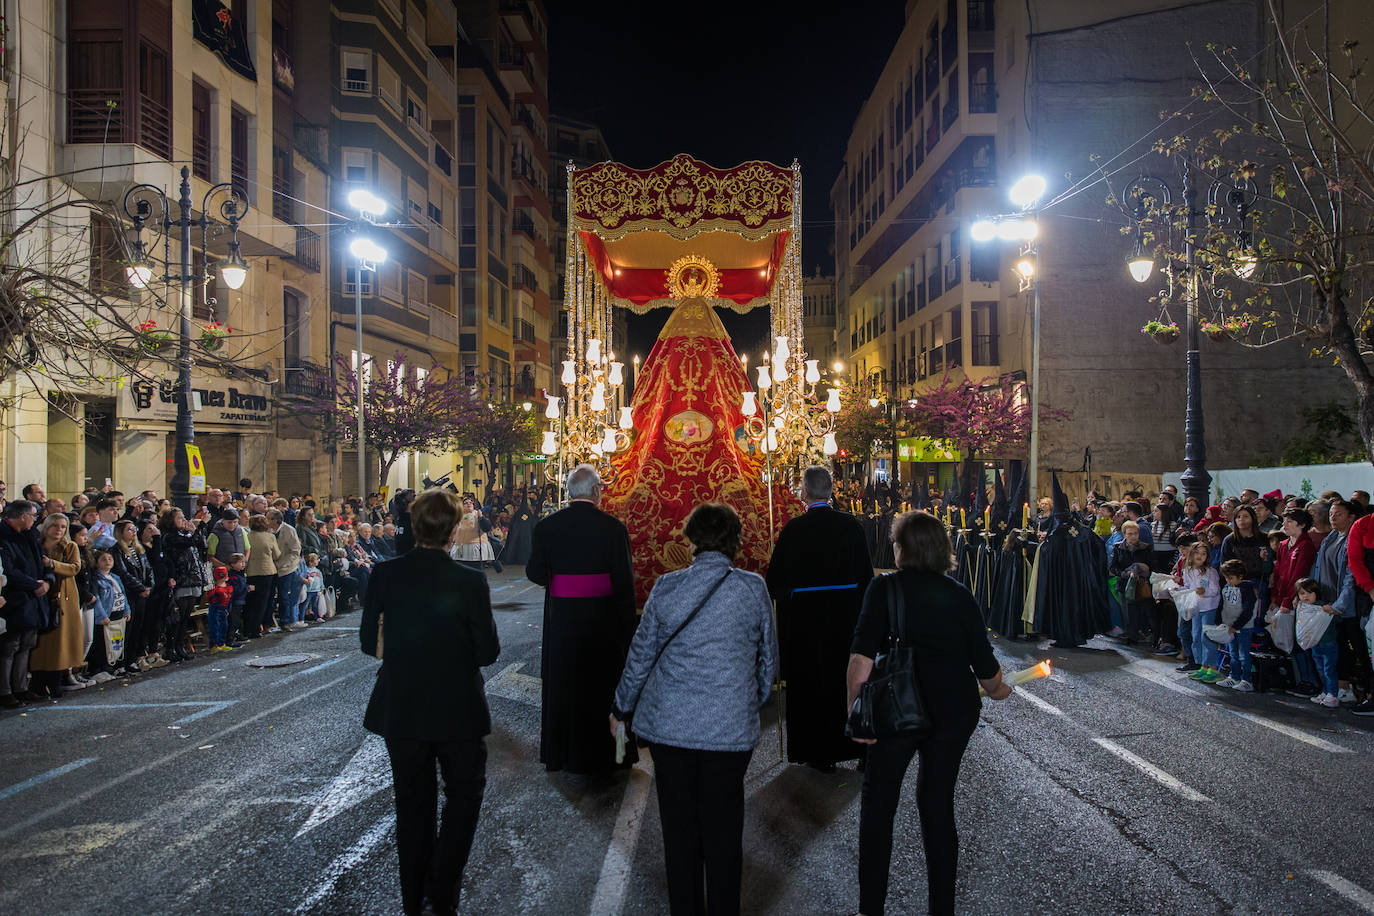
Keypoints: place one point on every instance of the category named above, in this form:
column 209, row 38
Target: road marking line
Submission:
column 502, row 588
column 1296, row 734
column 351, row 857
column 614, row 881
column 366, row 773
column 292, row 677
column 1149, row 769
column 510, row 684
column 211, row 707
column 523, row 590
column 1153, row 674
column 1035, row 700
column 44, row 777
column 1349, row 890
column 14, row 827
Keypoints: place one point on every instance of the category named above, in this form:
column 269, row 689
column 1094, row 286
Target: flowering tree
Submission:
column 858, row 426
column 499, row 428
column 401, row 412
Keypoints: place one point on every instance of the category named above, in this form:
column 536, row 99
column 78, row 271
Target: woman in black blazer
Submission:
column 429, row 619
column 942, row 623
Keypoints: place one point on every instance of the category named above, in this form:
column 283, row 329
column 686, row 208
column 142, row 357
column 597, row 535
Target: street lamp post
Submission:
column 369, row 255
column 1196, row 480
column 138, row 206
column 1024, row 228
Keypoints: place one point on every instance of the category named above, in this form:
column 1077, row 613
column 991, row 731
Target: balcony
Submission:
column 200, row 156
column 443, row 325
column 307, row 381
column 954, row 354
column 519, row 19
column 523, row 225
column 949, row 43
column 516, row 73
column 283, row 74
column 523, row 278
column 980, row 15
column 524, row 118
column 523, row 167
column 442, row 160
column 950, row 112
column 954, row 273
column 932, row 74
column 985, row 350
column 935, row 286
column 307, row 250
column 982, row 97
column 932, row 135
column 524, row 331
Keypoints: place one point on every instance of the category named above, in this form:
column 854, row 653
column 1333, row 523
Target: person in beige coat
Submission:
column 59, row 650
column 288, row 572
column 263, row 553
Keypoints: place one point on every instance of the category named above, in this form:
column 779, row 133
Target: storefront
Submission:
column 233, row 428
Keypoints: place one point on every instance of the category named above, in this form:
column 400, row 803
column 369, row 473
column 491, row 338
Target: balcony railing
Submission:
column 932, row 73
column 935, row 287
column 936, row 360
column 443, row 325
column 281, row 198
column 443, row 160
column 524, row 331
column 949, row 44
column 954, row 354
column 95, row 116
column 306, row 381
column 953, row 273
column 524, row 225
column 307, row 249
column 985, row 350
column 200, row 156
column 523, row 278
column 950, row 112
column 982, row 97
column 980, row 16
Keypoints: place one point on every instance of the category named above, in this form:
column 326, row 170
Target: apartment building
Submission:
column 819, row 331
column 975, row 94
column 117, row 93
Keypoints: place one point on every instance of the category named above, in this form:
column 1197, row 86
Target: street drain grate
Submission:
column 278, row 661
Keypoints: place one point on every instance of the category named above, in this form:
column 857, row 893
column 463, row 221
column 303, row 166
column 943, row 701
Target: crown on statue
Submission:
column 693, row 277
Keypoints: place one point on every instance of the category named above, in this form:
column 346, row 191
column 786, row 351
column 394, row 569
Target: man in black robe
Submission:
column 1071, row 598
column 581, row 556
column 818, row 574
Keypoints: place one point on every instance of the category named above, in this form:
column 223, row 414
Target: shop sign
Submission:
column 220, row 401
column 925, row 449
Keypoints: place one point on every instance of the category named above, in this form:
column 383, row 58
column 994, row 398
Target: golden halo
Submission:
column 693, row 277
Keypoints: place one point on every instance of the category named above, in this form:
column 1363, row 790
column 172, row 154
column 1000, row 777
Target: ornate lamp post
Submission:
column 139, row 204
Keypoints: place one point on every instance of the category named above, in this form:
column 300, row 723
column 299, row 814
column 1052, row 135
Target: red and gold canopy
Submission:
column 633, row 223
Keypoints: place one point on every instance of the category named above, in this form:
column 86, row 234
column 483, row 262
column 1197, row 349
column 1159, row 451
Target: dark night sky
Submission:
column 725, row 82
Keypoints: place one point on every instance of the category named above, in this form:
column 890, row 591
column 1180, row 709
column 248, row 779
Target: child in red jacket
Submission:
column 220, row 597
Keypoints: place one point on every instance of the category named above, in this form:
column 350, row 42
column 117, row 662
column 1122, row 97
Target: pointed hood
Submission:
column 1000, row 509
column 1020, row 497
column 1061, row 501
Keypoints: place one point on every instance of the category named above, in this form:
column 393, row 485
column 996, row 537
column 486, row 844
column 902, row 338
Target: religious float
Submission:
column 686, row 236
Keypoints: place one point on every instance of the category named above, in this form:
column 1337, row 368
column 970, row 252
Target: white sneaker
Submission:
column 1330, row 701
column 1227, row 682
column 103, row 677
column 1347, row 696
column 1243, row 686
column 1319, row 698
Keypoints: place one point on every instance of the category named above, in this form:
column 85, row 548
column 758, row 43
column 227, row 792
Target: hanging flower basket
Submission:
column 1214, row 331
column 212, row 336
column 152, row 339
column 1236, row 327
column 1161, row 332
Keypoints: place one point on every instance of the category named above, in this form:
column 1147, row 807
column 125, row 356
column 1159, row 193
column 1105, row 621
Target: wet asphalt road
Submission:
column 1117, row 786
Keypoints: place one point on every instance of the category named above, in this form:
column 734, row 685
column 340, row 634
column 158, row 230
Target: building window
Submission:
column 505, row 307
column 492, row 298
column 467, row 298
column 201, row 143
column 984, row 316
column 238, row 151
column 415, row 201
column 291, row 324
column 357, row 72
column 107, row 261
column 389, row 281
column 417, row 290
column 436, row 216
column 389, row 182
column 415, row 113
column 350, row 286
column 491, row 226
column 356, row 166
column 389, row 86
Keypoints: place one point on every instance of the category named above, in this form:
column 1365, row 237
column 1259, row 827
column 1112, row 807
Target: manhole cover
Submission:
column 278, row 661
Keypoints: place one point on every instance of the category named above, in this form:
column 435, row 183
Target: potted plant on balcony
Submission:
column 212, row 336
column 1161, row 332
column 151, row 338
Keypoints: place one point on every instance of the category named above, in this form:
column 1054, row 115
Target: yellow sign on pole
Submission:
column 197, row 466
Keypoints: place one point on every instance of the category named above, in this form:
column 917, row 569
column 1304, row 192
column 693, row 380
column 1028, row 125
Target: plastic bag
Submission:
column 1312, row 623
column 114, row 640
column 1218, row 633
column 1162, row 585
column 1280, row 625
column 1188, row 602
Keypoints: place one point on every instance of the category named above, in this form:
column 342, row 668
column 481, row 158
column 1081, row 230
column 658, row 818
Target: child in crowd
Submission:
column 1327, row 649
column 1216, row 533
column 1199, row 576
column 1238, row 598
column 314, row 585
column 220, row 598
column 238, row 582
column 111, row 603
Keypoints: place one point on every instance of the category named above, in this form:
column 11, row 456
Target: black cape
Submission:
column 1008, row 598
column 825, row 550
column 520, row 538
column 1071, row 600
column 585, row 639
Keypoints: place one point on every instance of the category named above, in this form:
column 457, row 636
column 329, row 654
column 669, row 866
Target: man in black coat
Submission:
column 25, row 608
column 818, row 574
column 581, row 556
column 429, row 619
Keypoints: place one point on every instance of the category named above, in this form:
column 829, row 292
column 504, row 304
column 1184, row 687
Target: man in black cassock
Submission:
column 581, row 556
column 1071, row 597
column 818, row 574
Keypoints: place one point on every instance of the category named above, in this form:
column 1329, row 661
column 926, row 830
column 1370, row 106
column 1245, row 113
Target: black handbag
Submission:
column 890, row 705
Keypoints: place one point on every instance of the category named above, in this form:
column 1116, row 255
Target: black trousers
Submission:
column 432, row 865
column 1353, row 662
column 256, row 608
column 939, row 770
column 140, row 624
column 701, row 805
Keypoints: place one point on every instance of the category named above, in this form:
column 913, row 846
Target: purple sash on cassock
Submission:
column 589, row 585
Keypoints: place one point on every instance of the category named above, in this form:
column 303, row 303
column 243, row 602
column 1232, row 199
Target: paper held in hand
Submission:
column 620, row 743
column 1025, row 675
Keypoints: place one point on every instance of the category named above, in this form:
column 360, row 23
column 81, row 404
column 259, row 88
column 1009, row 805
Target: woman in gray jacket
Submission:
column 696, row 702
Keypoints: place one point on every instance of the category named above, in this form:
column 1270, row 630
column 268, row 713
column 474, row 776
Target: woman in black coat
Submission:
column 939, row 619
column 183, row 549
column 132, row 568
